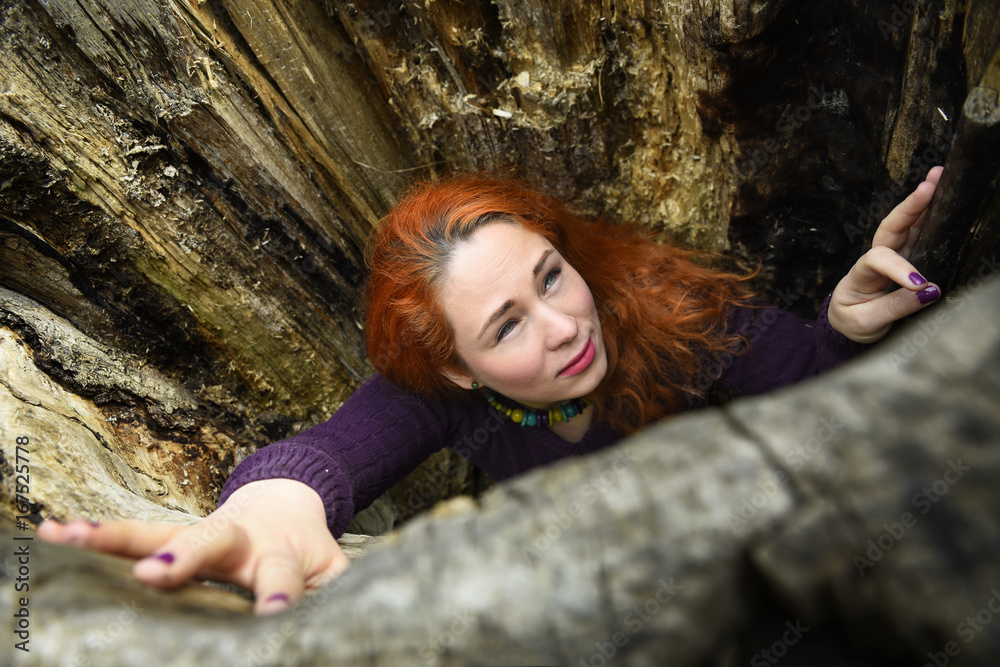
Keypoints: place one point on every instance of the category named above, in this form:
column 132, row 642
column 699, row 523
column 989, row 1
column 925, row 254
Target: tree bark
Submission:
column 953, row 219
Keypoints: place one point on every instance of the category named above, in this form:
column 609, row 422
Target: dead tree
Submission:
column 186, row 188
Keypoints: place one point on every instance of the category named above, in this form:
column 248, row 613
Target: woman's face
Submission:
column 524, row 320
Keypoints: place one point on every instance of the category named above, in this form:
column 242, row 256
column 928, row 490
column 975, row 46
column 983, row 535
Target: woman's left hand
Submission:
column 862, row 307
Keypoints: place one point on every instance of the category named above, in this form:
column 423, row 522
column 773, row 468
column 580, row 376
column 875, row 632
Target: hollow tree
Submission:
column 186, row 188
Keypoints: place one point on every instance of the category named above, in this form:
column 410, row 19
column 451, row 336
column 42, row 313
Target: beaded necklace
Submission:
column 532, row 417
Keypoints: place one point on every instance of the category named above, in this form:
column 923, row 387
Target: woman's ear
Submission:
column 458, row 377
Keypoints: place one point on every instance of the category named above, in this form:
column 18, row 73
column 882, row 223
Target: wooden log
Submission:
column 968, row 183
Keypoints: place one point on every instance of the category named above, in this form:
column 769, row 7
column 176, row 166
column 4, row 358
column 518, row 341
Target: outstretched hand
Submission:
column 269, row 537
column 862, row 307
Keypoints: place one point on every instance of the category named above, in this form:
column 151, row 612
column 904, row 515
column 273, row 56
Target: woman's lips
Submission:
column 582, row 361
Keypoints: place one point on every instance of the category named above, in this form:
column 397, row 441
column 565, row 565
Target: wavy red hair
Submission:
column 663, row 314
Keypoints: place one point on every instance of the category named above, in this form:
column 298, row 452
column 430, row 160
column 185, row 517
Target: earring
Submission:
column 475, row 385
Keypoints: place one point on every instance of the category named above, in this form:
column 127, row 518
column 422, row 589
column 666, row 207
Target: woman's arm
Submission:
column 273, row 532
column 781, row 349
column 376, row 438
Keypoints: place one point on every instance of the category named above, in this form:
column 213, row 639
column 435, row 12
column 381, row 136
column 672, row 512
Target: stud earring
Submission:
column 475, row 385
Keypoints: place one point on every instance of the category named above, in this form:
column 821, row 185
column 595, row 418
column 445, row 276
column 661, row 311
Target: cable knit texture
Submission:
column 382, row 433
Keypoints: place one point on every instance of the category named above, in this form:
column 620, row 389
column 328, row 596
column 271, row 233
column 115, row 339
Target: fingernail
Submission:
column 917, row 279
column 166, row 557
column 94, row 524
column 927, row 295
column 75, row 533
column 277, row 603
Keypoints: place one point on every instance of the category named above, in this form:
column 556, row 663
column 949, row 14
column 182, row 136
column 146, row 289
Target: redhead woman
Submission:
column 518, row 334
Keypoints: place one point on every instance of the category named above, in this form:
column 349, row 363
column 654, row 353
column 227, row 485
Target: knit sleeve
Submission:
column 782, row 348
column 376, row 438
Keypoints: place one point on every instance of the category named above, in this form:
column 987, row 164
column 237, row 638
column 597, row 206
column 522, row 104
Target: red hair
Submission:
column 663, row 315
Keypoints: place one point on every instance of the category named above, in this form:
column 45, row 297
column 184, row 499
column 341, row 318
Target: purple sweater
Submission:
column 382, row 432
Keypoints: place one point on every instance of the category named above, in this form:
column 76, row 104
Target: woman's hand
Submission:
column 862, row 307
column 269, row 537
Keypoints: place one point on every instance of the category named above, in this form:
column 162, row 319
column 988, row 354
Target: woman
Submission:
column 519, row 334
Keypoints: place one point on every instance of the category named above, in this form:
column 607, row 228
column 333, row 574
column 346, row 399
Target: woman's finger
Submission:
column 861, row 308
column 133, row 539
column 898, row 230
column 213, row 549
column 872, row 320
column 278, row 581
column 871, row 275
column 282, row 576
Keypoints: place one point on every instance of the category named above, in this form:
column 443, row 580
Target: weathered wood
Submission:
column 981, row 39
column 692, row 543
column 189, row 185
column 184, row 201
column 828, row 121
column 973, row 166
column 107, row 437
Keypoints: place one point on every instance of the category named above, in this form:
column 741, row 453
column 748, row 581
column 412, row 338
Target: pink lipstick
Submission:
column 581, row 361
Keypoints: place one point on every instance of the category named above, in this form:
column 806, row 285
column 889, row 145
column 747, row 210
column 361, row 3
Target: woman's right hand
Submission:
column 269, row 537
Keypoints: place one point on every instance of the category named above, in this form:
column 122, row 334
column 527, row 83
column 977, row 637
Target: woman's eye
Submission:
column 551, row 277
column 505, row 329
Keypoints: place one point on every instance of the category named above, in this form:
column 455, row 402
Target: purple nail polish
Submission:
column 166, row 557
column 927, row 295
column 917, row 279
column 94, row 524
column 278, row 596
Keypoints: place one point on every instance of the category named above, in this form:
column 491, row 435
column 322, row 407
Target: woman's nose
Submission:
column 561, row 328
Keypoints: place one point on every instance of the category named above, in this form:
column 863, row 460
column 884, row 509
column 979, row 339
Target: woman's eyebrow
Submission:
column 508, row 304
column 541, row 262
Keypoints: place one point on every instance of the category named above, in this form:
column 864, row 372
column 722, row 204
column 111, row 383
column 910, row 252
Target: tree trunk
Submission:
column 186, row 187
